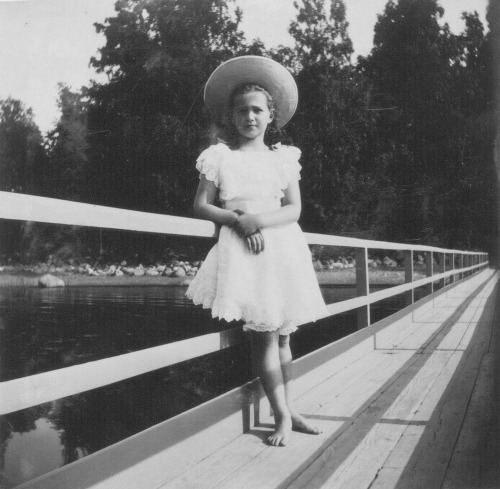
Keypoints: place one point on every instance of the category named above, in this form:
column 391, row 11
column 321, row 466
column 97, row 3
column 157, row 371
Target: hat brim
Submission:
column 264, row 72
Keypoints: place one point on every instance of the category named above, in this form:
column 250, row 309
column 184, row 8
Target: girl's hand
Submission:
column 245, row 225
column 255, row 242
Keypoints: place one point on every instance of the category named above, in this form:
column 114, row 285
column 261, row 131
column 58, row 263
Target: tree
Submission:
column 423, row 79
column 66, row 145
column 21, row 149
column 321, row 38
column 473, row 89
column 332, row 125
column 148, row 124
column 21, row 161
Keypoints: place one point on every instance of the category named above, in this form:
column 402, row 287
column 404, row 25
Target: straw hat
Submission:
column 265, row 72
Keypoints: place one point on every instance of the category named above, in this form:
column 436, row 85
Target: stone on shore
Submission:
column 49, row 280
column 179, row 272
column 388, row 262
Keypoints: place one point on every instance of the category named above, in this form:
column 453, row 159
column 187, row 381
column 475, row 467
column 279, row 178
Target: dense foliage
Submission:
column 396, row 146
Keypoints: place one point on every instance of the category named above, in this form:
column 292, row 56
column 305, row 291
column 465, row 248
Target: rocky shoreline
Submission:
column 175, row 273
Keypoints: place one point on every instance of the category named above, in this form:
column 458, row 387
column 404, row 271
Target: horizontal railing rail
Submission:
column 25, row 207
column 36, row 389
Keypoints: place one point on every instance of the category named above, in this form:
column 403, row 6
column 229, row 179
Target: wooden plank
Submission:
column 213, row 470
column 36, row 389
column 428, row 464
column 427, row 318
column 408, row 264
column 320, row 472
column 475, row 458
column 42, row 209
column 276, row 467
column 393, row 335
column 379, row 442
column 416, row 338
column 343, row 394
column 361, row 467
column 383, row 245
column 340, row 447
column 393, row 467
column 455, row 338
column 348, row 381
column 362, row 287
column 467, row 338
column 342, row 370
column 418, row 388
column 429, row 270
column 307, row 380
column 390, row 472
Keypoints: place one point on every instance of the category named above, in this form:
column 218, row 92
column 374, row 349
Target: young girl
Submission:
column 260, row 270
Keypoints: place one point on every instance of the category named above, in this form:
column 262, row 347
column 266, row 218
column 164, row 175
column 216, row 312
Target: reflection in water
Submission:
column 95, row 419
column 47, row 329
column 30, row 454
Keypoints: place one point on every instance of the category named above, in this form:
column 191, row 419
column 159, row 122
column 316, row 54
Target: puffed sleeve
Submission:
column 210, row 160
column 289, row 164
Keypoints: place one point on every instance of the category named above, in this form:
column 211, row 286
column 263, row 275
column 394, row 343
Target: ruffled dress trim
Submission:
column 209, row 161
column 265, row 328
column 289, row 163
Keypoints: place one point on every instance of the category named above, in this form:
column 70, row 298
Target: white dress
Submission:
column 276, row 289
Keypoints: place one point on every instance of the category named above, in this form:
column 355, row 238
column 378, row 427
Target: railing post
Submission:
column 410, row 294
column 461, row 257
column 429, row 270
column 452, row 277
column 442, row 269
column 362, row 286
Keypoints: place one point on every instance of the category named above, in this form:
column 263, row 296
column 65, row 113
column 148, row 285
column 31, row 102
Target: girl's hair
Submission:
column 227, row 133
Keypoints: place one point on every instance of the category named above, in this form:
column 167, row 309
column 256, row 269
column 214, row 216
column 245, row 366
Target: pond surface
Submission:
column 47, row 329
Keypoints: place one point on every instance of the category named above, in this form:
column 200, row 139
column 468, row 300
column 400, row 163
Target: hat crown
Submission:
column 265, row 72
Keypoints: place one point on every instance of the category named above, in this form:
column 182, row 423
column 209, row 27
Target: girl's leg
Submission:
column 299, row 423
column 266, row 358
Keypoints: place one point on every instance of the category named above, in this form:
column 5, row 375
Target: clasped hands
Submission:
column 246, row 227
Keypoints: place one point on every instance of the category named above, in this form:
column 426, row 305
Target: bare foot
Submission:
column 299, row 423
column 281, row 435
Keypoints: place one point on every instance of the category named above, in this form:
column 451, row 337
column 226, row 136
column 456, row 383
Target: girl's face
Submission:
column 251, row 115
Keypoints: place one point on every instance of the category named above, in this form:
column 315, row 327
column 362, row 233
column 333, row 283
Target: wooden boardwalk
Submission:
column 413, row 407
column 409, row 403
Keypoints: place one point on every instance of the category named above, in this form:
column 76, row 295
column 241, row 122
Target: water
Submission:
column 47, row 329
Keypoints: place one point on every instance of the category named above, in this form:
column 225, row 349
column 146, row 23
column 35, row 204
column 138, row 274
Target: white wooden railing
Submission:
column 30, row 391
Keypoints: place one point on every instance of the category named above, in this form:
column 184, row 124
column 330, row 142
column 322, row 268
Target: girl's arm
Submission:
column 204, row 207
column 289, row 212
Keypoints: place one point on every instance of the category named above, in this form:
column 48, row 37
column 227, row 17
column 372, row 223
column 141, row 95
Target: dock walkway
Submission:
column 407, row 403
column 409, row 408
